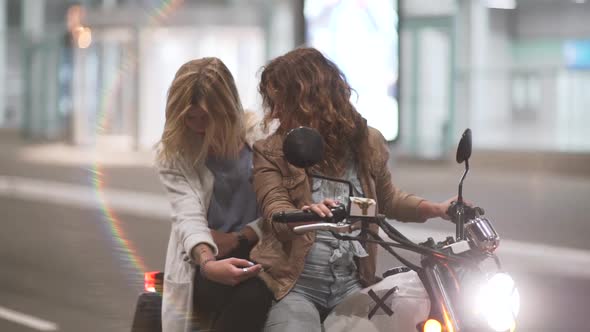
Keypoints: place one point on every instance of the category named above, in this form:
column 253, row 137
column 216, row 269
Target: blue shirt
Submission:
column 233, row 203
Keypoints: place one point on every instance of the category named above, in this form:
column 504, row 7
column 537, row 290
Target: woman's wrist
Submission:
column 203, row 265
column 202, row 252
column 427, row 209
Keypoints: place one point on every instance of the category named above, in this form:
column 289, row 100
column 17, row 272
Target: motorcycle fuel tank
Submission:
column 397, row 303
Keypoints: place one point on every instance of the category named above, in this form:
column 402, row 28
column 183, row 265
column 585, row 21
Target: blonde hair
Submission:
column 208, row 84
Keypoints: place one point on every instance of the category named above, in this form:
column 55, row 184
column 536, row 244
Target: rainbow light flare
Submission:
column 127, row 252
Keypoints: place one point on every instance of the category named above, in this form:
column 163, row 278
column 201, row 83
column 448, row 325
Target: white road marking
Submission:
column 27, row 320
column 554, row 260
column 123, row 201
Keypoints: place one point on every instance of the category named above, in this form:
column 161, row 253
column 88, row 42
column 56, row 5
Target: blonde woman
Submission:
column 205, row 164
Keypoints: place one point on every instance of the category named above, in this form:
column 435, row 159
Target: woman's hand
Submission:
column 427, row 209
column 250, row 234
column 230, row 271
column 443, row 208
column 226, row 242
column 322, row 209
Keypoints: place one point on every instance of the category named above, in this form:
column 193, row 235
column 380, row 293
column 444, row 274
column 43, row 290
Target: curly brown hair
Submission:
column 304, row 88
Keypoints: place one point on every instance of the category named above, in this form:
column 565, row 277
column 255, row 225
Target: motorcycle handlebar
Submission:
column 338, row 228
column 339, row 213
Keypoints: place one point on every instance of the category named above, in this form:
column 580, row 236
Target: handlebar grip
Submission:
column 452, row 210
column 338, row 212
column 468, row 211
column 299, row 216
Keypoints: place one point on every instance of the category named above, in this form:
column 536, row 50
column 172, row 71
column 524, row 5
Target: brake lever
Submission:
column 338, row 228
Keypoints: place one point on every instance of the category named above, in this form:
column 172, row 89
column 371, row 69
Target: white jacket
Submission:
column 189, row 191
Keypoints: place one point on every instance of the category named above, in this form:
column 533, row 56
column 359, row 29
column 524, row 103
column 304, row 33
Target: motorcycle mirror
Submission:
column 463, row 154
column 464, row 148
column 303, row 147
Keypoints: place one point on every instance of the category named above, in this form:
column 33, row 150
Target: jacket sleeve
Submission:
column 392, row 202
column 270, row 194
column 255, row 226
column 189, row 215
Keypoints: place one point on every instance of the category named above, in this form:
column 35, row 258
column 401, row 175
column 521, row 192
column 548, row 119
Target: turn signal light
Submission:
column 149, row 281
column 432, row 325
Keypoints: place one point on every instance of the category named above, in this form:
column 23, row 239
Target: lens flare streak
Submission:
column 128, row 254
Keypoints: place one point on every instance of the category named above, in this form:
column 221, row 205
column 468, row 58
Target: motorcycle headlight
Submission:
column 499, row 302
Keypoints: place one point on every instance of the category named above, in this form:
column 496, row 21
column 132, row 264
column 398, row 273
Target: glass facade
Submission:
column 100, row 76
column 423, row 71
column 510, row 74
column 362, row 38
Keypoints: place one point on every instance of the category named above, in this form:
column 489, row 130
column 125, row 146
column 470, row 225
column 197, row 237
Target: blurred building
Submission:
column 515, row 71
column 97, row 71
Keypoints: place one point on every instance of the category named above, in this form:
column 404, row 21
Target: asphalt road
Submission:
column 64, row 265
column 63, row 262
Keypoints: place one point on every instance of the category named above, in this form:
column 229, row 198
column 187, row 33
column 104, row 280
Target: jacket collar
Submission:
column 254, row 128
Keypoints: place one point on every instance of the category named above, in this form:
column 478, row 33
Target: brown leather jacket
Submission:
column 280, row 186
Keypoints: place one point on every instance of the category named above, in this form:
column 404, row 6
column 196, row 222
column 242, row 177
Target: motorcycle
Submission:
column 458, row 285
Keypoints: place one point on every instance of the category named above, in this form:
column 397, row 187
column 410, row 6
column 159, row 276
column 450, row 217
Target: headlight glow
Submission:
column 432, row 325
column 498, row 300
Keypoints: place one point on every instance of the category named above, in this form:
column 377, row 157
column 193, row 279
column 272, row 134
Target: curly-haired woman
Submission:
column 310, row 274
